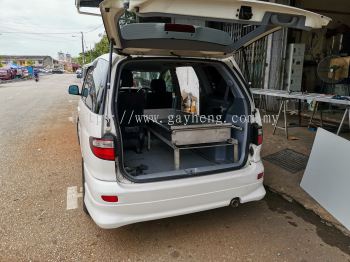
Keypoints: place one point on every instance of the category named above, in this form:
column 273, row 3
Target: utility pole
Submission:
column 82, row 46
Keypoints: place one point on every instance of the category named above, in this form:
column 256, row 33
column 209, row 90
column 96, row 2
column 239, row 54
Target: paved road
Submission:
column 39, row 160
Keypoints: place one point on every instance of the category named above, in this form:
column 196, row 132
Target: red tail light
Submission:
column 111, row 199
column 103, row 148
column 180, row 28
column 257, row 134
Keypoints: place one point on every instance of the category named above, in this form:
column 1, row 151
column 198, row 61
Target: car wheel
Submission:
column 83, row 181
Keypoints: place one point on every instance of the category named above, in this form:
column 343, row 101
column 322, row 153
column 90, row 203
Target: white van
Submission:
column 167, row 125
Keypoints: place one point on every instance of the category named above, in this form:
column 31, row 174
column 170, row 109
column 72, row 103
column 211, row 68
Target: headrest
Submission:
column 158, row 85
column 126, row 78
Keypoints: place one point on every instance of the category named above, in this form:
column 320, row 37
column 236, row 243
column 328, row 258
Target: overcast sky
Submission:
column 43, row 16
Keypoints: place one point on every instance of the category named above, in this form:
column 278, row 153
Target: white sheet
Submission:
column 327, row 175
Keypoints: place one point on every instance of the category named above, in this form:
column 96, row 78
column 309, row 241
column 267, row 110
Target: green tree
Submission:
column 30, row 62
column 99, row 49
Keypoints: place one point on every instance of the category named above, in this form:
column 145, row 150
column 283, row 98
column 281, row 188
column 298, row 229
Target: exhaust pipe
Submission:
column 235, row 202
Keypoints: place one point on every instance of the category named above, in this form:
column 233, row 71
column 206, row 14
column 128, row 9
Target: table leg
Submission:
column 260, row 102
column 343, row 120
column 299, row 112
column 285, row 118
column 313, row 114
column 177, row 158
column 278, row 117
column 148, row 139
column 265, row 103
column 283, row 107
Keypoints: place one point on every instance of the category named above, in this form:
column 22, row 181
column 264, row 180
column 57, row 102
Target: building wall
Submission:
column 44, row 61
column 48, row 62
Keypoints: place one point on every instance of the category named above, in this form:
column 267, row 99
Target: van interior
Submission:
column 180, row 118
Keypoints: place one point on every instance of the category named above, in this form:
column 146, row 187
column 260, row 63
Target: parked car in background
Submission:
column 45, row 71
column 25, row 73
column 19, row 73
column 5, row 74
column 57, row 71
column 13, row 73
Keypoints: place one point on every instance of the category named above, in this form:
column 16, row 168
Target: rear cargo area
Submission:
column 180, row 117
column 164, row 159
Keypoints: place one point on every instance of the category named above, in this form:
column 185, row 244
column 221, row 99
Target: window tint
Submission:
column 217, row 82
column 90, row 86
column 188, row 80
column 189, row 86
column 143, row 79
column 168, row 81
column 95, row 82
column 100, row 74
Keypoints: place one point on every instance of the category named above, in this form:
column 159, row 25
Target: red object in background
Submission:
column 5, row 74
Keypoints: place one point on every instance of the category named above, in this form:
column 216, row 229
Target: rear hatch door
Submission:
column 182, row 40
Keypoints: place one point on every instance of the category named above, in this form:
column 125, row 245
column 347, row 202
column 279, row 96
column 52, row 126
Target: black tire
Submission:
column 83, row 181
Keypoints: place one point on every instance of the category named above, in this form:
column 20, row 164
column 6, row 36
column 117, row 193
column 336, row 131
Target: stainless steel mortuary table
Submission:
column 190, row 132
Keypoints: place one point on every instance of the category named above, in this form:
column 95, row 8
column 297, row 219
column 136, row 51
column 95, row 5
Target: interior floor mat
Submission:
column 136, row 171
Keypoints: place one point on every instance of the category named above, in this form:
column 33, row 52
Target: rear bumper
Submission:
column 149, row 201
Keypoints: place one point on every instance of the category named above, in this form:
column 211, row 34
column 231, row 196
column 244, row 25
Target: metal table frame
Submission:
column 283, row 106
column 318, row 98
column 230, row 142
column 347, row 112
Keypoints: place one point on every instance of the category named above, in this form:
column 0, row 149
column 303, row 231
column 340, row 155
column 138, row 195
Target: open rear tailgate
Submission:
column 245, row 11
column 154, row 39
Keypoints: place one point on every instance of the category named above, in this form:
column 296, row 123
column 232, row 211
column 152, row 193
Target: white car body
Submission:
column 147, row 201
column 137, row 202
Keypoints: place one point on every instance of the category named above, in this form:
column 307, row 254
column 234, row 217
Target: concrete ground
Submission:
column 40, row 159
column 281, row 181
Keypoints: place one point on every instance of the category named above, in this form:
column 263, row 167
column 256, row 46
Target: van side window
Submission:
column 100, row 80
column 219, row 97
column 89, row 84
column 168, row 81
column 217, row 82
column 95, row 82
column 189, row 83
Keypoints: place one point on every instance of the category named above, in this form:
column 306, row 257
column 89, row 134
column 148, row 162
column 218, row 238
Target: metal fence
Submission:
column 254, row 69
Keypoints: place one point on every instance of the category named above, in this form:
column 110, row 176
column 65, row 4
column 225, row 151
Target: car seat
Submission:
column 130, row 112
column 159, row 98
